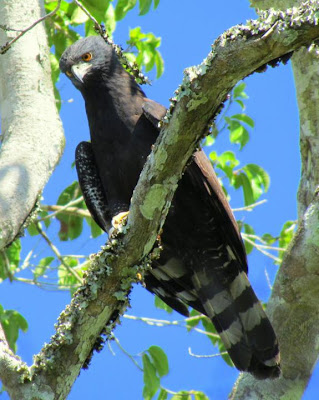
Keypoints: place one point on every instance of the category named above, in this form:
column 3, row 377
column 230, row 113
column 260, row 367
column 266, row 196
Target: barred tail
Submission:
column 239, row 318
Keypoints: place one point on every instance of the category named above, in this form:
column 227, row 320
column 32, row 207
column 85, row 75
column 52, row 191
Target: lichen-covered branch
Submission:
column 32, row 135
column 97, row 305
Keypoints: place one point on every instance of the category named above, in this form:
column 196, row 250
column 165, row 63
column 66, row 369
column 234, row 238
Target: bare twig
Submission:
column 77, row 212
column 261, row 248
column 179, row 323
column 250, row 207
column 205, row 355
column 126, row 352
column 58, row 254
column 7, row 46
column 57, row 209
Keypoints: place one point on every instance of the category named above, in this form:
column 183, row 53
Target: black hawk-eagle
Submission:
column 203, row 262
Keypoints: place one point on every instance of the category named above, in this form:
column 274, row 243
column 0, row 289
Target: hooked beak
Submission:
column 80, row 70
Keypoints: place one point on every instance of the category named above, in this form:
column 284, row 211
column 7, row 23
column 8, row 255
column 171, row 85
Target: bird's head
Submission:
column 84, row 59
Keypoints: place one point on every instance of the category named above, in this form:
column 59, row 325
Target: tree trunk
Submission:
column 32, row 134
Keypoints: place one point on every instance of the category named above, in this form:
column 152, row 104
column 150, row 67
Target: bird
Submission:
column 203, row 262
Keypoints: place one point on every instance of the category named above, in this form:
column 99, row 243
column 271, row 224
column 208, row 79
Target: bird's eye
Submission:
column 87, row 57
column 69, row 74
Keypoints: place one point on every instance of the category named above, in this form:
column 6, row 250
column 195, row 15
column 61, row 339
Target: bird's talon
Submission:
column 119, row 219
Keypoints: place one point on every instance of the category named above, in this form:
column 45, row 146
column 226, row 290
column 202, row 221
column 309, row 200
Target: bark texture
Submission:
column 32, row 135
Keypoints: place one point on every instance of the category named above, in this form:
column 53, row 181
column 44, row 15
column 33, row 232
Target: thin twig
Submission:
column 97, row 26
column 126, row 352
column 263, row 245
column 260, row 248
column 205, row 355
column 58, row 254
column 250, row 207
column 268, row 279
column 7, row 46
column 59, row 208
column 179, row 323
column 41, row 285
column 77, row 212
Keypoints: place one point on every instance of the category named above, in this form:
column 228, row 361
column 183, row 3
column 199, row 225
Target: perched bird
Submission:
column 203, row 262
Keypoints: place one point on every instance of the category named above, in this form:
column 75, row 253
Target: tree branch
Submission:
column 96, row 306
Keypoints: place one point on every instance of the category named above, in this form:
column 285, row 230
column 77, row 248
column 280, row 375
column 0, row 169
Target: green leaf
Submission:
column 200, row 396
column 32, row 228
column 244, row 118
column 47, row 221
column 78, row 16
column 156, row 3
column 224, row 353
column 209, row 140
column 241, row 103
column 162, row 395
column 42, row 266
column 151, row 380
column 89, row 28
column 12, row 322
column 257, row 173
column 10, row 259
column 190, row 324
column 110, row 22
column 146, row 45
column 95, row 229
column 70, row 225
column 182, row 395
column 250, row 231
column 286, row 235
column 239, row 91
column 97, row 8
column 209, row 327
column 159, row 62
column 241, row 180
column 268, row 238
column 238, row 134
column 259, row 179
column 159, row 359
column 145, row 6
column 228, row 158
column 122, row 8
column 163, row 306
column 55, row 69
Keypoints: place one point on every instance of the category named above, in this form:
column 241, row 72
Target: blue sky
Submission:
column 187, row 29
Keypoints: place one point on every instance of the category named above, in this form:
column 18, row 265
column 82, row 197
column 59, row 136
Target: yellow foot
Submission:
column 119, row 219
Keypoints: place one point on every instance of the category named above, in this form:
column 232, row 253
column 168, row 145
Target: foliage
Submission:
column 12, row 322
column 64, row 27
column 147, row 55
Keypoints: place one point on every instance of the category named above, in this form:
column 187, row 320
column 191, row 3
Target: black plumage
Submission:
column 203, row 262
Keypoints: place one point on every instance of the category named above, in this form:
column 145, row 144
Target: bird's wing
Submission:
column 91, row 185
column 206, row 177
column 207, row 267
column 153, row 111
